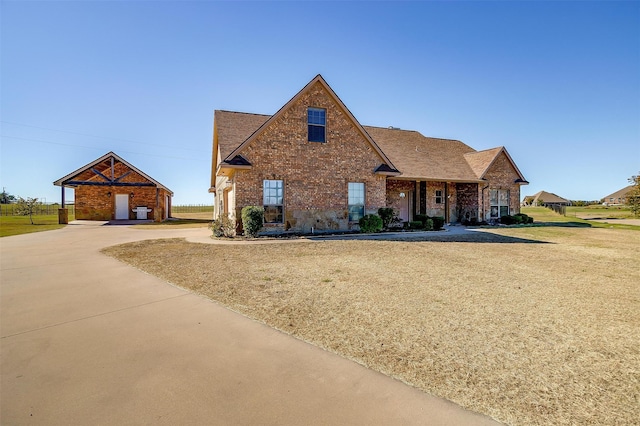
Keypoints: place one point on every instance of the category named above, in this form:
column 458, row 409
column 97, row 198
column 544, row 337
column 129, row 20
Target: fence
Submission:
column 560, row 209
column 52, row 209
column 192, row 208
column 39, row 210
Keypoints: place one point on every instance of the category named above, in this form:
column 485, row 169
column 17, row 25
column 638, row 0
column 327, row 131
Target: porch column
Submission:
column 446, row 203
column 63, row 214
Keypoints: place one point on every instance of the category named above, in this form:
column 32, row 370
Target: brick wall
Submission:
column 315, row 175
column 468, row 201
column 501, row 176
column 98, row 202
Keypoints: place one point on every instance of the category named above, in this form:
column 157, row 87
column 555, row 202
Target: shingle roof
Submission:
column 547, row 197
column 620, row 194
column 420, row 157
column 481, row 160
column 414, row 155
column 236, row 127
column 404, row 152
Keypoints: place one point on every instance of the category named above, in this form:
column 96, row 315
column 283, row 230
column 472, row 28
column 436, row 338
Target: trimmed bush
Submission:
column 421, row 218
column 387, row 214
column 370, row 223
column 507, row 220
column 416, row 224
column 438, row 222
column 252, row 220
column 522, row 218
column 223, row 227
column 428, row 225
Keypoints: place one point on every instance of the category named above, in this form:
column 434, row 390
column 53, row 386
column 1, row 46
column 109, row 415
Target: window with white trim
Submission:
column 438, row 196
column 316, row 124
column 356, row 201
column 499, row 200
column 273, row 201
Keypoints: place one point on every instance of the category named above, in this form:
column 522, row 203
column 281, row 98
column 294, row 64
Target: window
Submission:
column 499, row 199
column 272, row 198
column 438, row 196
column 356, row 201
column 317, row 122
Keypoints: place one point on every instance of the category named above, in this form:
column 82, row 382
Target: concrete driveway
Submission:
column 86, row 339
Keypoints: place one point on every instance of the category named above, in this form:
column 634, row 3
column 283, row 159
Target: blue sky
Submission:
column 557, row 83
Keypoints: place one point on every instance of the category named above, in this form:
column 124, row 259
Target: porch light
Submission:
column 402, row 195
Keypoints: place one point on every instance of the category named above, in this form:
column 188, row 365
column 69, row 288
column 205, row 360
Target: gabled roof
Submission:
column 622, row 193
column 547, row 197
column 68, row 180
column 234, row 131
column 482, row 161
column 406, row 154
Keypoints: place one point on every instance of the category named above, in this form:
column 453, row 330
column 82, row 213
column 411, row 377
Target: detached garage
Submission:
column 110, row 188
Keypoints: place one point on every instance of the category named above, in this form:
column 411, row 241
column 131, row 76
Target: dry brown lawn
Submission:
column 527, row 325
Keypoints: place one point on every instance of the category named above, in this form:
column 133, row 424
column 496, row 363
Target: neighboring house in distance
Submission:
column 312, row 165
column 618, row 197
column 110, row 188
column 546, row 198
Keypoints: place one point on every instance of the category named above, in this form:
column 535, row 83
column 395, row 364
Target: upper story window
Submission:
column 316, row 124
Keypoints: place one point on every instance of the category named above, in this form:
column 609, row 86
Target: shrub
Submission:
column 522, row 218
column 421, row 218
column 252, row 220
column 387, row 214
column 415, row 224
column 507, row 220
column 428, row 225
column 438, row 222
column 370, row 223
column 223, row 227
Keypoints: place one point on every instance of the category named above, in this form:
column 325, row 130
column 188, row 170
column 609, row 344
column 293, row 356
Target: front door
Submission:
column 122, row 206
column 403, row 213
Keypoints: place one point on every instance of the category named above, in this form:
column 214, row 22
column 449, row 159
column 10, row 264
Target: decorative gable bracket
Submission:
column 385, row 170
column 238, row 162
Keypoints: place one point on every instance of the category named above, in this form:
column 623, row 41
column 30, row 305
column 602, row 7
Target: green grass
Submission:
column 600, row 211
column 16, row 225
column 547, row 217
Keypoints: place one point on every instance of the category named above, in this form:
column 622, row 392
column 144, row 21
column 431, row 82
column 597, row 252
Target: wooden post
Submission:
column 63, row 214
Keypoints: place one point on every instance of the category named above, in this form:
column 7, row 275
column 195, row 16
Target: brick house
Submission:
column 545, row 198
column 617, row 198
column 312, row 165
column 110, row 188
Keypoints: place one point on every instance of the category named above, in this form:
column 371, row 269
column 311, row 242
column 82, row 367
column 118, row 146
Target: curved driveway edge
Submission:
column 86, row 339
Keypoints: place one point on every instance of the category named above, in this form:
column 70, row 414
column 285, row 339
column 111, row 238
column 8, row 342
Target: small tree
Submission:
column 633, row 196
column 252, row 220
column 27, row 207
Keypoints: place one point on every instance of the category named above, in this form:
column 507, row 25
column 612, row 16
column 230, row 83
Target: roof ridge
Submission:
column 242, row 112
